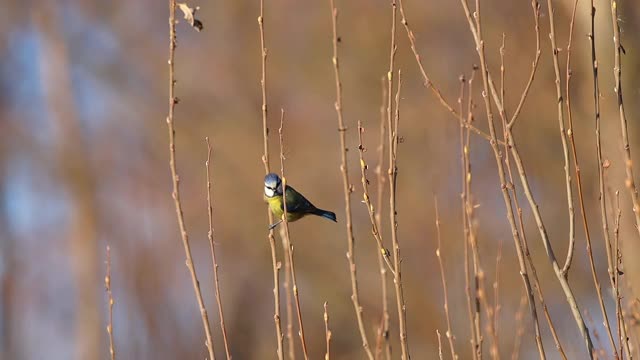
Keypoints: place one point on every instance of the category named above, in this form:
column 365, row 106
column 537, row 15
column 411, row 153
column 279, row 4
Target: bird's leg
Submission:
column 273, row 226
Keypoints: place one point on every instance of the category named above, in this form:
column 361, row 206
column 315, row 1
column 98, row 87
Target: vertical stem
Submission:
column 289, row 251
column 617, row 72
column 534, row 275
column 495, row 310
column 449, row 333
column 563, row 139
column 327, row 332
column 425, row 78
column 383, row 333
column 489, row 90
column 629, row 182
column 393, row 176
column 476, row 30
column 439, row 344
column 263, row 86
column 478, row 280
column 214, row 262
column 602, row 197
column 385, row 254
column 173, row 100
column 289, row 299
column 355, row 298
column 392, row 136
column 465, row 142
column 265, row 160
column 622, row 333
column 107, row 285
column 556, row 68
column 276, row 265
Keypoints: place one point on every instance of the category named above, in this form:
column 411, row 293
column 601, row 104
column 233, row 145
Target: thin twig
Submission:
column 465, row 196
column 534, row 275
column 449, row 332
column 173, row 100
column 367, row 201
column 507, row 128
column 384, row 253
column 285, row 224
column 383, row 331
column 382, row 250
column 427, row 81
column 476, row 30
column 263, row 86
column 478, row 280
column 494, row 350
column 276, row 265
column 439, row 345
column 617, row 72
column 479, row 275
column 392, row 139
column 502, row 69
column 524, row 242
column 564, row 133
column 355, row 298
column 214, row 262
column 495, row 310
column 265, row 160
column 393, row 213
column 556, row 67
column 603, row 209
column 534, row 67
column 107, row 285
column 489, row 88
column 629, row 181
column 525, row 248
column 289, row 298
column 622, row 330
column 569, row 134
column 327, row 332
column 611, row 257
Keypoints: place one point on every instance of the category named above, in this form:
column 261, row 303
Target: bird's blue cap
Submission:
column 272, row 179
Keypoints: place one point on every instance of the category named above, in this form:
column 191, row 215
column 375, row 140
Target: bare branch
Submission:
column 107, row 285
column 176, row 179
column 265, row 160
column 449, row 332
column 289, row 251
column 214, row 262
column 355, row 297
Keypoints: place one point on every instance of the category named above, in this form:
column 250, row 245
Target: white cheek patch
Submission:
column 268, row 192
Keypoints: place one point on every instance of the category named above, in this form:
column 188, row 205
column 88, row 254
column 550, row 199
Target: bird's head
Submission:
column 272, row 185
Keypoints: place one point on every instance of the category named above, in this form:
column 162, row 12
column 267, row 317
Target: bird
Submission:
column 297, row 205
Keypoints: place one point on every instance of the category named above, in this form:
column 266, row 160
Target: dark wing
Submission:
column 296, row 203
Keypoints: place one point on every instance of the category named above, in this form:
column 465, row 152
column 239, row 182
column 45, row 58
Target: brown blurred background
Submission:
column 84, row 164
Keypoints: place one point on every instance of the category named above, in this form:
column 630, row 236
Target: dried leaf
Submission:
column 189, row 15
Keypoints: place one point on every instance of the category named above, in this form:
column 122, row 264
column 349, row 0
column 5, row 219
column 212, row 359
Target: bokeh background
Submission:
column 84, row 164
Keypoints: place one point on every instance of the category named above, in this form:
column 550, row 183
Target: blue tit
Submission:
column 297, row 205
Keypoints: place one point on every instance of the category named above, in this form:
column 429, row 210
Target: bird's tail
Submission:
column 325, row 214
